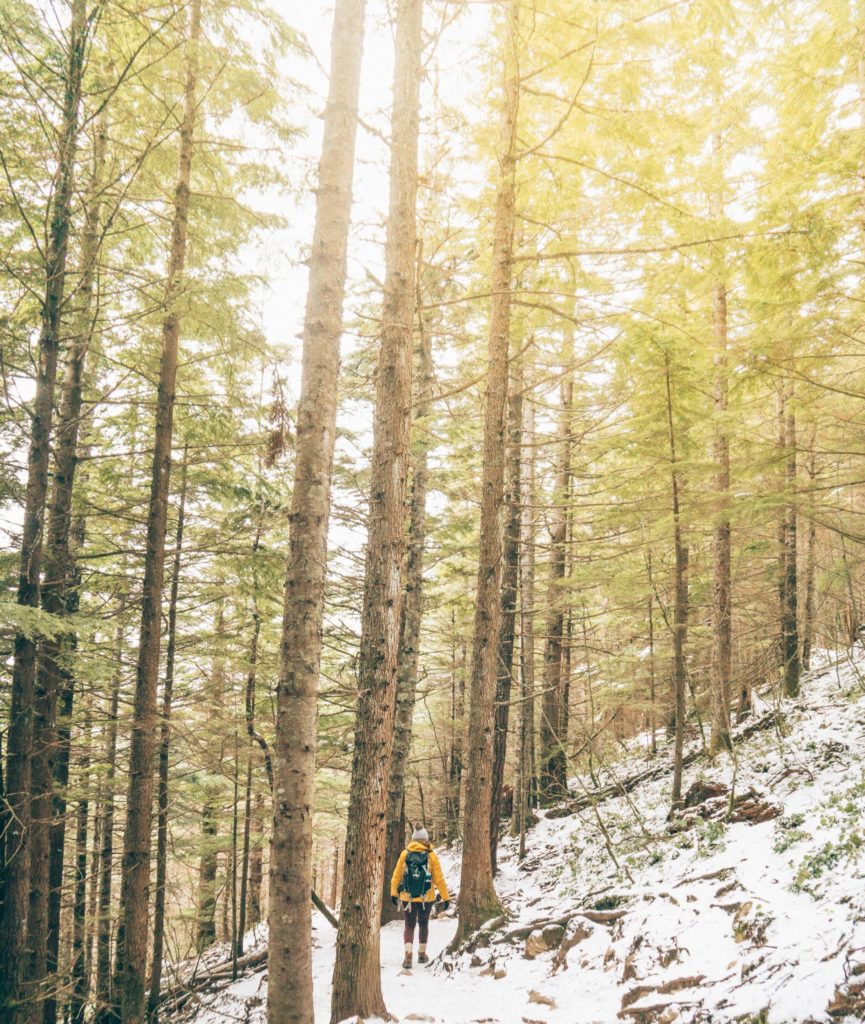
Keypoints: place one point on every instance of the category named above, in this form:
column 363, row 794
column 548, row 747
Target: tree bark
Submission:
column 289, row 993
column 135, row 885
column 106, row 1009
column 206, row 915
column 478, row 900
column 357, row 969
column 249, row 856
column 525, row 761
column 59, row 597
column 15, row 822
column 244, row 859
column 810, row 570
column 409, row 650
column 456, row 733
column 334, row 879
column 510, row 580
column 680, row 601
column 790, row 653
column 553, row 775
column 256, row 873
column 653, row 715
column 232, row 881
column 80, row 981
column 164, row 751
column 93, row 887
column 722, row 608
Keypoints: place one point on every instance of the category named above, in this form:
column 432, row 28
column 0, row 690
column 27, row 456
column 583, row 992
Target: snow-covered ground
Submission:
column 640, row 919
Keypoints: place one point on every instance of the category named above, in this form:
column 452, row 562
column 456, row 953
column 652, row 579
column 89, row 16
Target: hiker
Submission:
column 416, row 878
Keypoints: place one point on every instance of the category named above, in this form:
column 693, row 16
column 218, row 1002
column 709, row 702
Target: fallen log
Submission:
column 321, row 906
column 198, row 980
column 177, row 994
column 623, row 786
column 602, row 916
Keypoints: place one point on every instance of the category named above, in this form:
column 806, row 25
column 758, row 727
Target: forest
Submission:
column 436, row 418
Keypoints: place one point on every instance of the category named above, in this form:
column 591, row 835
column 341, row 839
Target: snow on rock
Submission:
column 618, row 914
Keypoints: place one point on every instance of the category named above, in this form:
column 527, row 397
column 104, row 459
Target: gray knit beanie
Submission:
column 420, row 834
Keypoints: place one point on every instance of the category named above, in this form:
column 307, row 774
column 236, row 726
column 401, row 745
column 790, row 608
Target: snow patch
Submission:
column 719, row 922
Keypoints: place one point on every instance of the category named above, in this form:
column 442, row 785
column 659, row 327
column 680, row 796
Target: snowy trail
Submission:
column 760, row 922
column 423, row 990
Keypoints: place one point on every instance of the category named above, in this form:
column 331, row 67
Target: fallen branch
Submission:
column 319, row 904
column 177, row 995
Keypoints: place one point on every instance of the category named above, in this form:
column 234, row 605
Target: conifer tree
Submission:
column 290, row 956
column 478, row 899
column 132, row 956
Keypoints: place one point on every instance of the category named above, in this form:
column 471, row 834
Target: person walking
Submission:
column 416, row 879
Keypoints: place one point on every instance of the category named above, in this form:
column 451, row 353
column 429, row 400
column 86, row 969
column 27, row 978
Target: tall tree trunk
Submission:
column 60, row 598
column 588, row 671
column 456, row 732
column 554, row 782
column 256, row 857
column 289, row 993
column 164, row 751
column 409, row 649
column 208, row 863
column 680, row 600
column 334, row 879
column 251, row 731
column 510, row 579
column 653, row 716
column 80, row 980
column 15, row 820
column 250, row 884
column 232, row 883
column 478, row 900
column 244, row 857
column 851, row 616
column 810, row 569
column 106, row 1009
column 93, row 890
column 792, row 666
column 525, row 778
column 357, row 969
column 722, row 608
column 135, row 885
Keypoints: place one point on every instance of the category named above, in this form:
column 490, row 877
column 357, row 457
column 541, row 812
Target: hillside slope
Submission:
column 618, row 914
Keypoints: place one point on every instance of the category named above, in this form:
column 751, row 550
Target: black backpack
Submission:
column 416, row 879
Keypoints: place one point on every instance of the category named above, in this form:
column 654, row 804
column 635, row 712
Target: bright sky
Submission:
column 458, row 78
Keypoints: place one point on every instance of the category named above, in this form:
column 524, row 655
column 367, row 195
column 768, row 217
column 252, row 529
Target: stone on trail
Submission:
column 542, row 940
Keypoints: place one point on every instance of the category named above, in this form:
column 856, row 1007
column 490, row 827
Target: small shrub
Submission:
column 754, row 1018
column 788, row 833
column 825, row 859
column 608, row 902
column 710, row 837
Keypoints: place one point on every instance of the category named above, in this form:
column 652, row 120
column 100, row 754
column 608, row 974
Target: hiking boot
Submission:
column 406, row 961
column 422, row 958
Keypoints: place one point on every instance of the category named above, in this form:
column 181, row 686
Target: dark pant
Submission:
column 417, row 912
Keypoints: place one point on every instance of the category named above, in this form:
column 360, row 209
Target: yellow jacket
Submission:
column 435, row 868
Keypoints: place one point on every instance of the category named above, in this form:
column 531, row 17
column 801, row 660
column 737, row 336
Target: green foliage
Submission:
column 843, row 813
column 826, row 859
column 711, row 837
column 788, row 833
